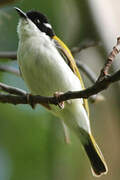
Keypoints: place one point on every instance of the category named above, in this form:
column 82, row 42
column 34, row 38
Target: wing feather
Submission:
column 65, row 52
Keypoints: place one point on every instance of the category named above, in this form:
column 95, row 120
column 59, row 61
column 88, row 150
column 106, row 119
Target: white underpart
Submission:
column 45, row 72
column 48, row 25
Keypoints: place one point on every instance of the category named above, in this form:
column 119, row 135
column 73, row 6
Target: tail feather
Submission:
column 95, row 156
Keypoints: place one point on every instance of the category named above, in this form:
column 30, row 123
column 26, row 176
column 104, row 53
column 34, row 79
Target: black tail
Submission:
column 95, row 156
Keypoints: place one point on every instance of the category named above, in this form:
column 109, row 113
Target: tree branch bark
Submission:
column 36, row 99
column 8, row 55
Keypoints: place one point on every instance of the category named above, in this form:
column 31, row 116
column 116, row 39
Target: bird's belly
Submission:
column 46, row 74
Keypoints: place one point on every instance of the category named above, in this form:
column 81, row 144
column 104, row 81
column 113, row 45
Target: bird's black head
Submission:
column 38, row 19
column 41, row 22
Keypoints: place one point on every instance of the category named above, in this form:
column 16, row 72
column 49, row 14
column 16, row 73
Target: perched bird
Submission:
column 47, row 66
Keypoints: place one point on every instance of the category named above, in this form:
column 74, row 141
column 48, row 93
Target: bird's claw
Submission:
column 60, row 104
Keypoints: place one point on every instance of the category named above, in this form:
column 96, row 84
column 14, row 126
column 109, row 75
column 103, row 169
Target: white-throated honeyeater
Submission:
column 47, row 66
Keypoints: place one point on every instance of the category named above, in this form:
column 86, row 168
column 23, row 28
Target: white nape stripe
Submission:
column 48, row 25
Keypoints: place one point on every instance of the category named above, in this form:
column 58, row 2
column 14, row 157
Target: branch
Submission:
column 90, row 74
column 84, row 45
column 8, row 55
column 110, row 59
column 9, row 69
column 36, row 99
column 12, row 90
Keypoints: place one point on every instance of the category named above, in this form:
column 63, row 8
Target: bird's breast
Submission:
column 44, row 70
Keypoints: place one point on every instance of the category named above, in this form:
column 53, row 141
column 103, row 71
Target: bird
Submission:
column 48, row 67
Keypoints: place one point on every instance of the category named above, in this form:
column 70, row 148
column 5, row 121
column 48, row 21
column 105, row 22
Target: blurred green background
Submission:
column 32, row 141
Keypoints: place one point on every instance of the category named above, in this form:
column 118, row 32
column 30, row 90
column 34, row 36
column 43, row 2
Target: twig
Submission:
column 90, row 74
column 12, row 90
column 111, row 57
column 9, row 69
column 84, row 45
column 8, row 55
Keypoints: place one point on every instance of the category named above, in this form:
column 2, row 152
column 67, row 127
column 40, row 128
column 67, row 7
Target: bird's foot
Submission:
column 60, row 104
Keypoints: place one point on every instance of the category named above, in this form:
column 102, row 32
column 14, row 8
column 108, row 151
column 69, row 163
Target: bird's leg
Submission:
column 61, row 104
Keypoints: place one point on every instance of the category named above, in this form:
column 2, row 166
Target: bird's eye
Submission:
column 37, row 21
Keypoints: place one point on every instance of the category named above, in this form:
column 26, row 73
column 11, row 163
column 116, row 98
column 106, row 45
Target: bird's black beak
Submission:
column 21, row 13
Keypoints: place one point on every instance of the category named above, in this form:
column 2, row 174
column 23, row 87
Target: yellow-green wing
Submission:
column 72, row 64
